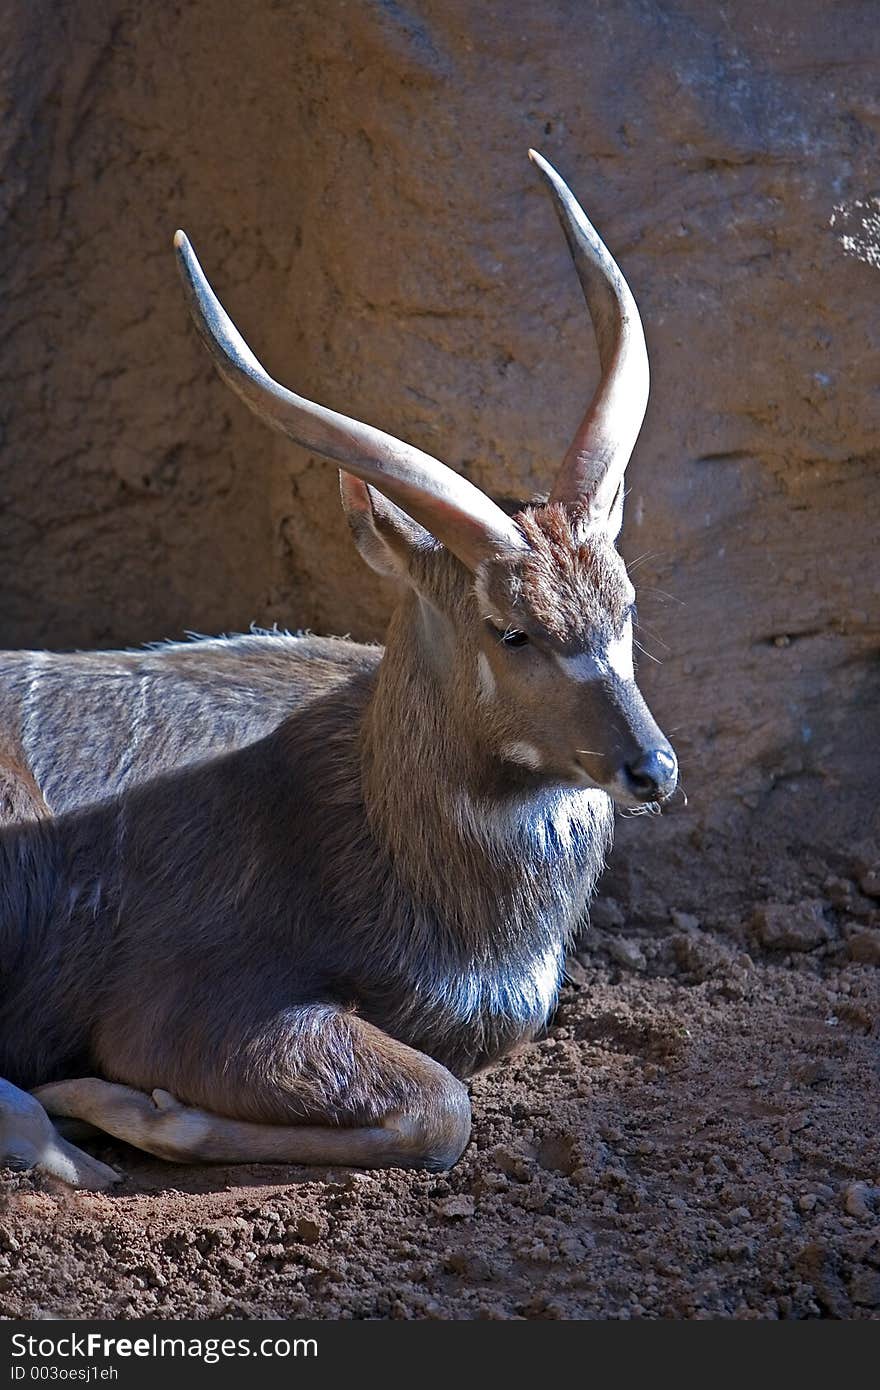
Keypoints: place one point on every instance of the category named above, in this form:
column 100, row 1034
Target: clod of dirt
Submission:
column 784, row 927
column 869, row 882
column 818, row 1072
column 308, row 1230
column 864, row 946
column 456, row 1208
column 864, row 1288
column 861, row 1200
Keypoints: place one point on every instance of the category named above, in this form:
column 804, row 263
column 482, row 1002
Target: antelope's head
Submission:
column 528, row 619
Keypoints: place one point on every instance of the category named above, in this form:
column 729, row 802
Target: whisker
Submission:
column 645, row 652
column 640, row 560
column 673, row 598
column 653, row 636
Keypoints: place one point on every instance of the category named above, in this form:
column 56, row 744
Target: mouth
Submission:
column 620, row 793
column 582, row 778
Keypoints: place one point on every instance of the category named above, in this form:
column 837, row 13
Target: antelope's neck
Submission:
column 493, row 848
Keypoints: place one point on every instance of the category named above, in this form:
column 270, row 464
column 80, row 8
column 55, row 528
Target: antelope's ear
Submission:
column 385, row 536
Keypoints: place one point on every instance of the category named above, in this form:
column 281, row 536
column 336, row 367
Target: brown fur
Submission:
column 570, row 583
column 295, row 882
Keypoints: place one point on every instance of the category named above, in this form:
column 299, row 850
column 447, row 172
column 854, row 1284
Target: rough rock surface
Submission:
column 354, row 178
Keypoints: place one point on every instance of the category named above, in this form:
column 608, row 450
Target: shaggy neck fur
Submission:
column 499, row 851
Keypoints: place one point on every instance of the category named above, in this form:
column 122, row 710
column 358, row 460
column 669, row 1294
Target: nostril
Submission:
column 650, row 775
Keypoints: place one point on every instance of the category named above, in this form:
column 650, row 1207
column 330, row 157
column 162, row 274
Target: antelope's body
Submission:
column 298, row 888
column 285, row 779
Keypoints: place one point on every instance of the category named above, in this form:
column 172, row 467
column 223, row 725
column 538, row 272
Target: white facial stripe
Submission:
column 583, row 667
column 524, row 753
column 620, row 653
column 617, row 659
column 486, row 688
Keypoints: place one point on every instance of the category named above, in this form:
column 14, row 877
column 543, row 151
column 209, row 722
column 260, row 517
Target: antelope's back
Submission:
column 77, row 728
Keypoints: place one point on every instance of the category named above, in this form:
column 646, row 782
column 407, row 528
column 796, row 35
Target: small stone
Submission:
column 807, row 1201
column 684, row 921
column 575, row 973
column 456, row 1208
column 606, row 912
column 859, row 1199
column 626, row 953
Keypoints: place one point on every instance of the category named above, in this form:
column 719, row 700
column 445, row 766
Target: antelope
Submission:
column 276, row 897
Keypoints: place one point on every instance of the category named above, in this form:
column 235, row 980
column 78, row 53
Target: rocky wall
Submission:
column 354, row 178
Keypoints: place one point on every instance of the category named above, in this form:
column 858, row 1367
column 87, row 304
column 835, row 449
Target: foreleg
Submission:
column 321, row 1087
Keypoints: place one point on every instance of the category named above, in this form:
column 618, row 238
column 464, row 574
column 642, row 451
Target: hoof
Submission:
column 28, row 1139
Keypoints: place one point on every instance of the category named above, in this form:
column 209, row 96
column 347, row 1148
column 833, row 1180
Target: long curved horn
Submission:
column 593, row 468
column 468, row 522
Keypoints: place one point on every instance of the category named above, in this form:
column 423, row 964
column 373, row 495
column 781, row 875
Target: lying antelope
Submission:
column 275, row 897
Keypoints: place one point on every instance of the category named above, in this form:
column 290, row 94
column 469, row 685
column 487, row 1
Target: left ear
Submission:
column 385, row 536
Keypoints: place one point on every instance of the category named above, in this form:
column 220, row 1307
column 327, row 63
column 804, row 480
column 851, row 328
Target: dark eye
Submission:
column 510, row 636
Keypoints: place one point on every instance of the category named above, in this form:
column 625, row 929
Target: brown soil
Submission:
column 696, row 1137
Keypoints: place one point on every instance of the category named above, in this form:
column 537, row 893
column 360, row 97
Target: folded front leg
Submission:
column 327, row 1088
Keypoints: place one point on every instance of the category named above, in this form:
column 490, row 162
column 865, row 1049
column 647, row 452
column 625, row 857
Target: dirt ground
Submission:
column 696, row 1137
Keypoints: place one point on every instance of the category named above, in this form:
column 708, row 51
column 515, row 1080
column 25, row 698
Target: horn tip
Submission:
column 181, row 240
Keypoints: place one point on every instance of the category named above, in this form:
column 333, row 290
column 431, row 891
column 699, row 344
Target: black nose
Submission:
column 653, row 775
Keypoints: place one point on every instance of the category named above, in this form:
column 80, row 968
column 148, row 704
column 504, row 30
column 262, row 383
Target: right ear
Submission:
column 385, row 536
